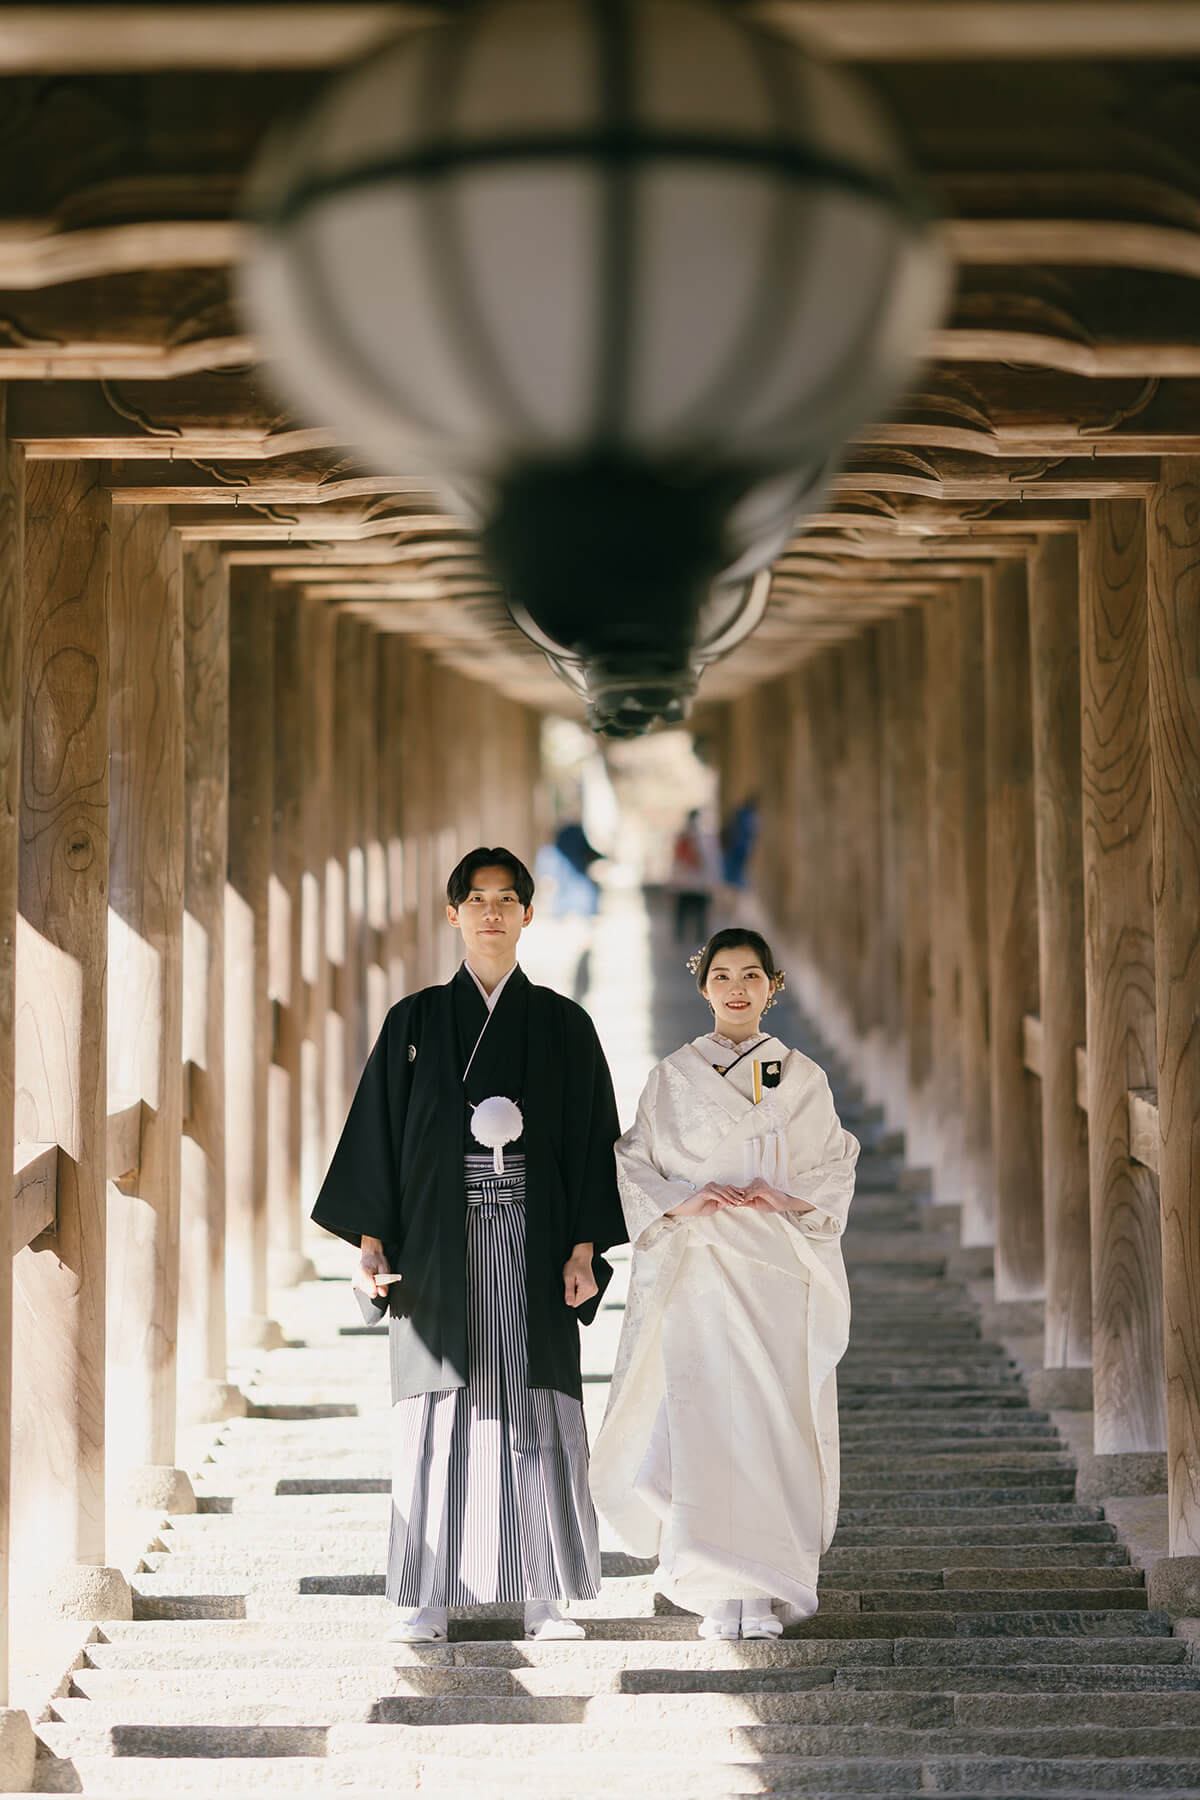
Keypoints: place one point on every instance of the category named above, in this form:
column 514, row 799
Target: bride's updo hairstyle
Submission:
column 730, row 939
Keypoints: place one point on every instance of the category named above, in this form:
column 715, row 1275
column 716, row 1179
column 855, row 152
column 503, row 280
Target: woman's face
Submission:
column 737, row 989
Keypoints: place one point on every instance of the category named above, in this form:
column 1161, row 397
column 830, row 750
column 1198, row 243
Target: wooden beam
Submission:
column 123, row 1141
column 1062, row 1022
column 145, row 996
column 921, row 31
column 1127, row 1329
column 35, row 1193
column 1174, row 604
column 91, row 39
column 1012, row 935
column 1145, row 1144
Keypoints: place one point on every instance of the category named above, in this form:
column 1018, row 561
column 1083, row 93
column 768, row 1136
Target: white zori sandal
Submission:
column 419, row 1625
column 724, row 1620
column 544, row 1623
column 758, row 1620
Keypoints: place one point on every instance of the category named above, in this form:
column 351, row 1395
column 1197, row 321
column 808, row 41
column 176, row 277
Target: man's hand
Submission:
column 579, row 1284
column 713, row 1197
column 765, row 1198
column 372, row 1263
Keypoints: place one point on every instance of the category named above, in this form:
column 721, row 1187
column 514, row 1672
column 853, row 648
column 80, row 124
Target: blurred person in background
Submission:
column 695, row 873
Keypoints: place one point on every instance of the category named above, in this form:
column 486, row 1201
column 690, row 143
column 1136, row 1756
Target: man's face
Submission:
column 491, row 918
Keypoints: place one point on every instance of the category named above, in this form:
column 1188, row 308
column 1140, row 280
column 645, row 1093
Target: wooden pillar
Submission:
column 317, row 746
column 914, row 793
column 287, row 1264
column 205, row 1393
column 893, row 1063
column 13, row 1726
column 248, row 1021
column 864, row 851
column 1127, row 1342
column 375, row 870
column 1012, row 936
column 393, row 800
column 1054, row 655
column 1174, row 609
column 978, row 1187
column 145, row 1001
column 947, row 899
column 61, row 1088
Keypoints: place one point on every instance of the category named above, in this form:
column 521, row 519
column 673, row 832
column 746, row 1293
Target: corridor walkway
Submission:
column 979, row 1632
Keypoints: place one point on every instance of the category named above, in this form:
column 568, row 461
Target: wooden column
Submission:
column 1012, row 936
column 1174, row 611
column 205, row 1392
column 947, row 900
column 894, row 1062
column 248, row 1022
column 1127, row 1341
column 864, row 851
column 375, row 871
column 418, row 850
column 393, row 802
column 61, row 1097
column 1054, row 654
column 978, row 1191
column 287, row 1263
column 315, row 965
column 914, row 791
column 12, row 571
column 145, row 1000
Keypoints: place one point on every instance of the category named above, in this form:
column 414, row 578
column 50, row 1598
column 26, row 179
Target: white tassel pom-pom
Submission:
column 496, row 1122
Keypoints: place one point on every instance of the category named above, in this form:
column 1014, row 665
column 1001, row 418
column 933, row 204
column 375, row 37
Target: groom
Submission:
column 476, row 1164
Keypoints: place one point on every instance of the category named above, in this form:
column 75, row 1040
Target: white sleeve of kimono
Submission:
column 821, row 1165
column 646, row 1191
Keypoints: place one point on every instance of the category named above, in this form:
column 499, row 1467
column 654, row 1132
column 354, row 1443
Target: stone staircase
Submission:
column 979, row 1634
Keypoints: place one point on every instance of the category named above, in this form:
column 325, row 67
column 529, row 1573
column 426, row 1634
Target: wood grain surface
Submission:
column 12, row 576
column 145, row 977
column 202, row 1329
column 1127, row 1341
column 979, row 1173
column 1062, row 1007
column 947, row 886
column 918, row 977
column 61, row 1097
column 285, row 928
column 1012, row 934
column 247, row 1005
column 1174, row 659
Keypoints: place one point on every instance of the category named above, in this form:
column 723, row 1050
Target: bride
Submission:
column 719, row 1450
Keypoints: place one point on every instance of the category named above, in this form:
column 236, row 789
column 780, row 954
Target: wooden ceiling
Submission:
column 1062, row 142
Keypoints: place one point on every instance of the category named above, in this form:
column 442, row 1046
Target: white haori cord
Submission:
column 495, row 1122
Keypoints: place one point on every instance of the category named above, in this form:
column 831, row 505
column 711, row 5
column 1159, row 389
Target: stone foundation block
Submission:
column 1132, row 1472
column 1173, row 1585
column 288, row 1268
column 18, row 1751
column 156, row 1487
column 1061, row 1390
column 208, row 1402
column 89, row 1591
column 255, row 1331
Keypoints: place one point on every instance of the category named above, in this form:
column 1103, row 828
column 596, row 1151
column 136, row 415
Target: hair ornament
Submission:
column 777, row 987
column 695, row 959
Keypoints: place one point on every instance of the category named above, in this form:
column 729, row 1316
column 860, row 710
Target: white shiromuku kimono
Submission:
column 719, row 1449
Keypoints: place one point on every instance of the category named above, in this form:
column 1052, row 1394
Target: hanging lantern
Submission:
column 625, row 274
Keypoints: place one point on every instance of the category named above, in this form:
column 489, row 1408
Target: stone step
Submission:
column 557, row 1737
column 974, row 1525
column 1082, row 1559
column 1024, row 1488
column 1021, row 1678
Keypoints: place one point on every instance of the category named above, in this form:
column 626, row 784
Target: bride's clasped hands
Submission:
column 717, row 1196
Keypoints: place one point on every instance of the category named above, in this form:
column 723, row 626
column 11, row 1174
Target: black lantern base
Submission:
column 609, row 561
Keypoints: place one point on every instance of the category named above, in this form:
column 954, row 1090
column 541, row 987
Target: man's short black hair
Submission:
column 462, row 877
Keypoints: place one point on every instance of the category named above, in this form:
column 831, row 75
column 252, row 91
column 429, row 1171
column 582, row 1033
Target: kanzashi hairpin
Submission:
column 696, row 958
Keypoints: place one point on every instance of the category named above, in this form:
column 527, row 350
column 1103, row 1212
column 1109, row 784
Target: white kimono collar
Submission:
column 692, row 1061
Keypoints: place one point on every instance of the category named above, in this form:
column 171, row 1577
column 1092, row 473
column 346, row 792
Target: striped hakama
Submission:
column 490, row 1496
